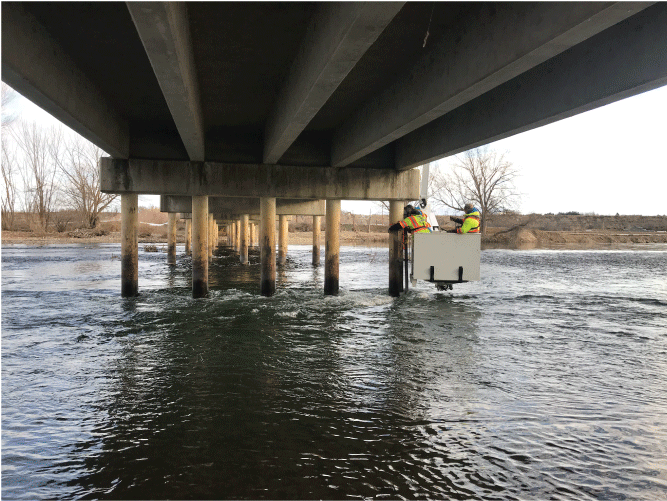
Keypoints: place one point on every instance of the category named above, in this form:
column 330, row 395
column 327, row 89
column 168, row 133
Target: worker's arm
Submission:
column 395, row 227
column 457, row 220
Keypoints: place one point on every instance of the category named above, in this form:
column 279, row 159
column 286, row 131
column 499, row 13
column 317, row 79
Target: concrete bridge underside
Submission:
column 310, row 100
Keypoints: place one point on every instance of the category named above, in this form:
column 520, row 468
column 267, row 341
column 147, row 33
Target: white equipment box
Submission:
column 446, row 257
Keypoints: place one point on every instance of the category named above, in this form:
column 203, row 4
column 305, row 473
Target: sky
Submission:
column 605, row 161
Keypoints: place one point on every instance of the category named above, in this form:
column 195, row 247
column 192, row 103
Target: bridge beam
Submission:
column 338, row 35
column 164, row 30
column 40, row 69
column 217, row 205
column 471, row 62
column 160, row 177
column 625, row 60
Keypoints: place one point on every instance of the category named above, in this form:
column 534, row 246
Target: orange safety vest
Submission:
column 417, row 223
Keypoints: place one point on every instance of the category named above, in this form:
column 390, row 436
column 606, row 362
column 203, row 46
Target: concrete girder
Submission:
column 160, row 177
column 229, row 217
column 338, row 35
column 164, row 31
column 37, row 67
column 625, row 60
column 470, row 63
column 183, row 204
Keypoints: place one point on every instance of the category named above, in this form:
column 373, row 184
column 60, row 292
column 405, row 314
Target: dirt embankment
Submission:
column 504, row 231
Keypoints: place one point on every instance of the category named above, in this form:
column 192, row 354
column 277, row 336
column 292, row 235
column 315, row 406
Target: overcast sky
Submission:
column 609, row 160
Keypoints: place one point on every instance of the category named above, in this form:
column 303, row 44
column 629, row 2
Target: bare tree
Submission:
column 78, row 164
column 38, row 171
column 8, row 196
column 8, row 95
column 480, row 176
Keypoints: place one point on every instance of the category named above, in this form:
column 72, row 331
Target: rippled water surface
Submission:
column 546, row 380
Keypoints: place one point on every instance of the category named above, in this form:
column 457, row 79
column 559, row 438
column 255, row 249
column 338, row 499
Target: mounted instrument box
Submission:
column 446, row 258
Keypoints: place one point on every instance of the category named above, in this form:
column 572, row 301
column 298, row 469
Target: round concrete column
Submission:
column 199, row 246
column 395, row 250
column 251, row 234
column 332, row 248
column 267, row 244
column 188, row 237
column 129, row 264
column 316, row 240
column 238, row 236
column 171, row 238
column 243, row 254
column 210, row 236
column 283, row 239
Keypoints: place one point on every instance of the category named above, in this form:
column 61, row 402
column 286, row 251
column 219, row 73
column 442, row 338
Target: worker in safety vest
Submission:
column 470, row 223
column 414, row 220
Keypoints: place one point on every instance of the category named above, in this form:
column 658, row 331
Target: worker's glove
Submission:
column 452, row 218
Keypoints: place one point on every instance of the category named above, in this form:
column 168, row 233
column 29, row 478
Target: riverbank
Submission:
column 514, row 238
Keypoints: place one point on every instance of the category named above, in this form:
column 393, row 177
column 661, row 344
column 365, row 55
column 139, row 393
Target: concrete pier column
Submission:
column 237, row 231
column 267, row 244
column 395, row 250
column 316, row 240
column 251, row 234
column 217, row 234
column 171, row 238
column 210, row 235
column 199, row 246
column 332, row 248
column 230, row 237
column 129, row 264
column 283, row 239
column 256, row 235
column 188, row 237
column 243, row 254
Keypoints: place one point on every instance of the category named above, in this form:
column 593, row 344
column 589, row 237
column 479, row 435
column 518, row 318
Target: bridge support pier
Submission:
column 244, row 238
column 188, row 237
column 129, row 264
column 237, row 228
column 251, row 234
column 332, row 248
column 395, row 250
column 171, row 238
column 267, row 244
column 199, row 246
column 316, row 240
column 283, row 237
column 212, row 242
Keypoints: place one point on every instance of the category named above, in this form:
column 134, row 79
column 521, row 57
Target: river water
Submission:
column 545, row 380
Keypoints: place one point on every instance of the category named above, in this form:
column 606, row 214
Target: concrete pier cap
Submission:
column 169, row 177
